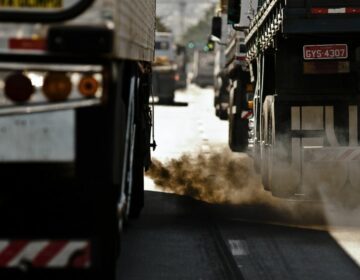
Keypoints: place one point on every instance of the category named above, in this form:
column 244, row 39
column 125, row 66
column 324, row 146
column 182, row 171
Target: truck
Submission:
column 232, row 82
column 303, row 60
column 221, row 81
column 75, row 80
column 181, row 61
column 203, row 68
column 164, row 67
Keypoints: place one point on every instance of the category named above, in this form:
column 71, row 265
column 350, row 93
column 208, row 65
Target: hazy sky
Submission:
column 170, row 12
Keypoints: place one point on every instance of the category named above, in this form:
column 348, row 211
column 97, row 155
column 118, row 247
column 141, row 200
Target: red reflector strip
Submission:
column 353, row 10
column 322, row 11
column 11, row 251
column 246, row 114
column 27, row 44
column 345, row 155
column 82, row 259
column 45, row 253
column 51, row 250
column 241, row 58
column 319, row 11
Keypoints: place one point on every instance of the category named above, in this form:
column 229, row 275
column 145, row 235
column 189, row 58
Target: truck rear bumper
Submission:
column 164, row 84
column 330, row 169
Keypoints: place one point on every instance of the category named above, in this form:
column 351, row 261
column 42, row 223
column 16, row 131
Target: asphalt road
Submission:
column 206, row 215
column 178, row 237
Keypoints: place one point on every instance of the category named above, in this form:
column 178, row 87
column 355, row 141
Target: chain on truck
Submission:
column 304, row 58
column 75, row 130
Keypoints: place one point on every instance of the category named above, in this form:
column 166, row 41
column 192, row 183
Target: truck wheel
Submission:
column 273, row 176
column 133, row 170
column 266, row 141
column 223, row 114
column 137, row 194
column 238, row 127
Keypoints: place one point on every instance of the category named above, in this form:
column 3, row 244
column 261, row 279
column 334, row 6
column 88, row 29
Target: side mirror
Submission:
column 234, row 11
column 216, row 27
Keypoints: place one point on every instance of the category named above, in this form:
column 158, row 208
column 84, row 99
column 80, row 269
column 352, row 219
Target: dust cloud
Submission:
column 229, row 182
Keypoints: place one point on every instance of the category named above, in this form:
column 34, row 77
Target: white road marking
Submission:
column 238, row 247
column 348, row 240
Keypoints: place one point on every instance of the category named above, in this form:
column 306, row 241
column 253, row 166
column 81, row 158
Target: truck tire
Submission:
column 133, row 168
column 266, row 141
column 223, row 99
column 272, row 179
column 238, row 127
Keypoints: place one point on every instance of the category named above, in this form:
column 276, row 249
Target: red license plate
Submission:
column 337, row 51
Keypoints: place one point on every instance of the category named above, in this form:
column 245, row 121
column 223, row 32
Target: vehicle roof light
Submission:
column 57, row 86
column 18, row 87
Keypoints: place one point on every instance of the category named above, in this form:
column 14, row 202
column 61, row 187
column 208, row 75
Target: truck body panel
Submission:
column 132, row 24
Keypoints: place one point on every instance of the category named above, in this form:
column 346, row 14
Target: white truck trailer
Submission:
column 75, row 133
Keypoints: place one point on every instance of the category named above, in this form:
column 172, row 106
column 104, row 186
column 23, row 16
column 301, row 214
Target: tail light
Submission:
column 177, row 77
column 57, row 86
column 18, row 87
column 88, row 86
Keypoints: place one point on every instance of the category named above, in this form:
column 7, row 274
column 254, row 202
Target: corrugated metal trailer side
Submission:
column 134, row 29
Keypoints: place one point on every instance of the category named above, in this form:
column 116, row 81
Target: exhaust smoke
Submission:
column 230, row 181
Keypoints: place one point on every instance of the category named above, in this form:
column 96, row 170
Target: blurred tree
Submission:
column 198, row 34
column 160, row 26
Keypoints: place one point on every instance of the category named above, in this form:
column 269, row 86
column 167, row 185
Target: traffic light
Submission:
column 191, row 45
column 234, row 11
column 210, row 46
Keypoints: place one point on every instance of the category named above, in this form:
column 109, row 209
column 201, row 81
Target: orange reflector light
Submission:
column 250, row 104
column 57, row 86
column 18, row 87
column 88, row 86
column 249, row 88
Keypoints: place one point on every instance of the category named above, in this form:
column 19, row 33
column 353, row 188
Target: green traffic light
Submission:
column 191, row 45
